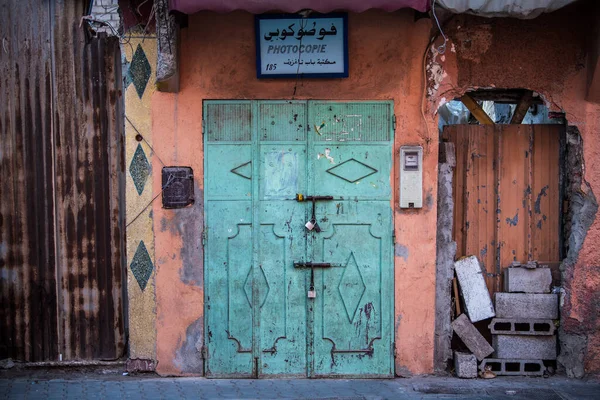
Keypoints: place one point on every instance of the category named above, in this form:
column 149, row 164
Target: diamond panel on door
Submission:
column 351, row 159
column 282, row 165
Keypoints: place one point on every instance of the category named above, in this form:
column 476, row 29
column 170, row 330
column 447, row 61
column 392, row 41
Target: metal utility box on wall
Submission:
column 178, row 187
column 411, row 177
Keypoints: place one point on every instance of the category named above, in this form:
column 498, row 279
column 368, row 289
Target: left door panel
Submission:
column 255, row 163
column 228, row 271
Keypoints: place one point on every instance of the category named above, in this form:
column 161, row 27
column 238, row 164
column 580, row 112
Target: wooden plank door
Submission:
column 507, row 195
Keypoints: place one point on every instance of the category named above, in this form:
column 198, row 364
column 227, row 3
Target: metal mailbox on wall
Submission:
column 177, row 187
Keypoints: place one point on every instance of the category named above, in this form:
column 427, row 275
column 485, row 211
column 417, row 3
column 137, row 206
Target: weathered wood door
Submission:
column 259, row 319
column 507, row 195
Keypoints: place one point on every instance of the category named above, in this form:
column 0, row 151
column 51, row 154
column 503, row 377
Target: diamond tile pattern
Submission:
column 139, row 169
column 139, row 71
column 352, row 170
column 141, row 265
column 351, row 287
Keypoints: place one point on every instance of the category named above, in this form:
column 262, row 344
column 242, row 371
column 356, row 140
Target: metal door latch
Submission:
column 300, row 197
column 312, row 293
column 302, row 264
column 312, row 224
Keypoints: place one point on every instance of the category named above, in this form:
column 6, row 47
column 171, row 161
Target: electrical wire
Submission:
column 303, row 23
column 144, row 139
column 125, row 38
column 169, row 181
column 424, row 93
column 442, row 48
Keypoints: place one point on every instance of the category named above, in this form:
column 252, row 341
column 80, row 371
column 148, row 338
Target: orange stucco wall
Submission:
column 386, row 52
column 547, row 55
column 386, row 62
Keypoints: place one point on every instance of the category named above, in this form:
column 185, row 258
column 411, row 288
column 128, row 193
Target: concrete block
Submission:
column 525, row 280
column 514, row 366
column 526, row 305
column 465, row 365
column 519, row 326
column 525, row 347
column 471, row 337
column 478, row 303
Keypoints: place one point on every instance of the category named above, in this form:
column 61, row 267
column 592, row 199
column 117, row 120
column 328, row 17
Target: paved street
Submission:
column 142, row 387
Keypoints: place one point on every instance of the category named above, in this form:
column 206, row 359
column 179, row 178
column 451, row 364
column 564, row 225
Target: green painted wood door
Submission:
column 259, row 321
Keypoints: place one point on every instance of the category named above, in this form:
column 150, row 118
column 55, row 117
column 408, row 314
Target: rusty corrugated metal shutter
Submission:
column 62, row 185
column 28, row 328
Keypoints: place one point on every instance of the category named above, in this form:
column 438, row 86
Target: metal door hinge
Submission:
column 394, row 122
column 204, row 237
column 203, row 126
column 393, row 237
column 203, row 352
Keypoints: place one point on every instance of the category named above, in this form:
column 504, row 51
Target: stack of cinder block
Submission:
column 478, row 307
column 523, row 332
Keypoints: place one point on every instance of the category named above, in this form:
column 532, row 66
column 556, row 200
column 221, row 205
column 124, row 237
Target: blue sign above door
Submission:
column 289, row 45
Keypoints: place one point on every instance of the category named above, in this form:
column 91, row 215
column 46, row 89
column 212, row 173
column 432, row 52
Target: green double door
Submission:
column 260, row 320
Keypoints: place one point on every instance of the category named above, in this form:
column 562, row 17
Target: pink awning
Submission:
column 292, row 6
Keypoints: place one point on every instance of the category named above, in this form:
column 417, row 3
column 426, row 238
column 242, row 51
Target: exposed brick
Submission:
column 140, row 365
column 526, row 347
column 471, row 337
column 102, row 17
column 520, row 326
column 526, row 280
column 526, row 305
column 465, row 365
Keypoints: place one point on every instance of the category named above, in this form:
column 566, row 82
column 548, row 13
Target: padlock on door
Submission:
column 312, row 224
column 311, row 289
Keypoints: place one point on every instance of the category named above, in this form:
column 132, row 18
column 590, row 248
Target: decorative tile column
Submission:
column 139, row 52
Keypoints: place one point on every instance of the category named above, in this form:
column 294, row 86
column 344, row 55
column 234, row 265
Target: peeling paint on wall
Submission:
column 188, row 224
column 514, row 221
column 401, row 251
column 189, row 353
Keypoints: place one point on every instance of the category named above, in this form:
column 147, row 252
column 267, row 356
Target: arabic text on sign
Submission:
column 296, row 61
column 285, row 33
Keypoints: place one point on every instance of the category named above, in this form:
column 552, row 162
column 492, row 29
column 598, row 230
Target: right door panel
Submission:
column 351, row 159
